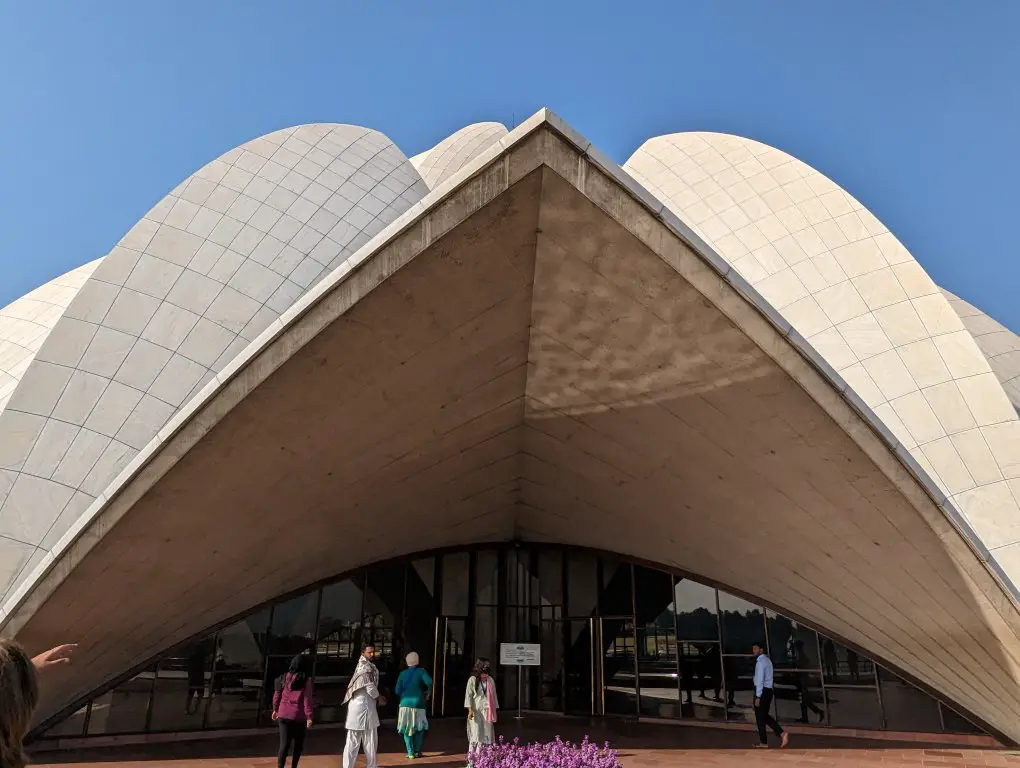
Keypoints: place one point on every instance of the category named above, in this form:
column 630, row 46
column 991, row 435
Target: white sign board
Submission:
column 520, row 654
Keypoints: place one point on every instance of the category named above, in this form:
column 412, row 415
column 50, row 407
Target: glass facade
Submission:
column 618, row 639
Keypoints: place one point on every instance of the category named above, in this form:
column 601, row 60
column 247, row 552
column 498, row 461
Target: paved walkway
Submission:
column 640, row 746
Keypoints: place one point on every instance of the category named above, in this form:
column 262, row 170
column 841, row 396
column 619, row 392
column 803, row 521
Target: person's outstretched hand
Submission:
column 54, row 656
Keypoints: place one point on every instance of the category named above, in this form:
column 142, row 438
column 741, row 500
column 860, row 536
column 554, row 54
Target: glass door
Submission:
column 618, row 658
column 451, row 668
column 582, row 690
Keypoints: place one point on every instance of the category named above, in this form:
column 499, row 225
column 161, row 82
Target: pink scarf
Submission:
column 490, row 696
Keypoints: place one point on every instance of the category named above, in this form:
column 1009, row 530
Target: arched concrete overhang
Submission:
column 535, row 350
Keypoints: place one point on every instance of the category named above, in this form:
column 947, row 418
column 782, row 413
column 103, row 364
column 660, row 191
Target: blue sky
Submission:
column 910, row 105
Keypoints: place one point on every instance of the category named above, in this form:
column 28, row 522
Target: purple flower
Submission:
column 553, row 754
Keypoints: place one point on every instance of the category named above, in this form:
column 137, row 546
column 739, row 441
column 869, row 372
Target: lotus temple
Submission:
column 508, row 391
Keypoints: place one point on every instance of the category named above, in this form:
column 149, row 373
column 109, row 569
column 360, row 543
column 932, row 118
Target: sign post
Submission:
column 520, row 655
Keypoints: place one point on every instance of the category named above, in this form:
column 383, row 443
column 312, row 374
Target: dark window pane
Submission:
column 488, row 577
column 235, row 701
column 419, row 632
column 955, row 723
column 701, row 680
column 485, row 635
column 619, row 643
column 521, row 580
column 738, row 677
column 582, row 591
column 68, row 728
column 455, row 583
column 332, row 674
column 742, row 623
column 616, row 597
column 799, row 697
column 906, row 708
column 423, row 572
column 293, row 629
column 384, row 596
column 696, row 612
column 340, row 621
column 124, row 709
column 792, row 645
column 843, row 666
column 653, row 593
column 550, row 696
column 240, row 647
column 657, row 672
column 183, row 687
column 854, row 708
column 550, row 578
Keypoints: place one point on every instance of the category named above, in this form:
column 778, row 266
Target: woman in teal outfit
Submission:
column 414, row 686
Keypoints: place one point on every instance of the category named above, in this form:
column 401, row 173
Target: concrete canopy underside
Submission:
column 536, row 355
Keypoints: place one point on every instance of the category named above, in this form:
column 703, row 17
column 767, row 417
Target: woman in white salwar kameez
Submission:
column 481, row 704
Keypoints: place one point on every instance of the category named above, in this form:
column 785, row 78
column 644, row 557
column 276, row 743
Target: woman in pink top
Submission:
column 293, row 708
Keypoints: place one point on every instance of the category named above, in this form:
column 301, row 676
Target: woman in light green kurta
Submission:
column 481, row 704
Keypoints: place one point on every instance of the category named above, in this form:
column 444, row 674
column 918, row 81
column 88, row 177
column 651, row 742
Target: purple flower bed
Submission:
column 552, row 754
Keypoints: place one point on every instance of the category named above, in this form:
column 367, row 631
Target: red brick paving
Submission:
column 639, row 745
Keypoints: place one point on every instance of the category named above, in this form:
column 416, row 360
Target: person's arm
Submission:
column 372, row 690
column 759, row 678
column 309, row 698
column 61, row 654
column 277, row 695
column 401, row 683
column 427, row 682
column 469, row 698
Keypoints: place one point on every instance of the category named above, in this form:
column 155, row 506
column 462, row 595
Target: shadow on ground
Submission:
column 638, row 744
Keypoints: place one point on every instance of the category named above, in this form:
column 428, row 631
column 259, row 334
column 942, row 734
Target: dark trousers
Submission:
column 290, row 731
column 763, row 716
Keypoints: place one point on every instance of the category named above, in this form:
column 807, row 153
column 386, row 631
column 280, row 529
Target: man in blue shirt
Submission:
column 763, row 695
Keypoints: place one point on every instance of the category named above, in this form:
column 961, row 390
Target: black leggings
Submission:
column 764, row 717
column 290, row 731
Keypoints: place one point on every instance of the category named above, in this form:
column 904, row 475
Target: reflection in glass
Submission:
column 521, row 579
column 487, row 570
column 844, row 666
column 616, row 597
column 853, row 708
column 332, row 674
column 550, row 579
column 656, row 643
column 550, row 694
column 235, row 700
column 906, row 708
column 455, row 667
column 696, row 612
column 455, row 583
column 640, row 642
column 486, row 643
column 423, row 574
column 70, row 727
column 419, row 632
column 738, row 672
column 743, row 623
column 580, row 694
column 618, row 658
column 340, row 620
column 799, row 697
column 124, row 709
column 293, row 627
column 954, row 723
column 791, row 644
column 582, row 591
column 183, row 687
column 240, row 647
